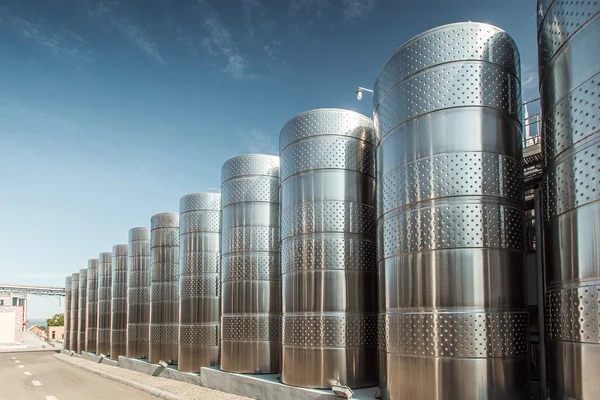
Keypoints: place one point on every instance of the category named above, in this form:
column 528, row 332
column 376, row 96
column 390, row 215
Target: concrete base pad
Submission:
column 268, row 387
column 69, row 353
column 170, row 372
column 97, row 359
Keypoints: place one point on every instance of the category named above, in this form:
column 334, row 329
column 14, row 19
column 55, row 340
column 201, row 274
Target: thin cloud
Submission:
column 61, row 40
column 259, row 142
column 269, row 51
column 137, row 35
column 220, row 43
column 357, row 9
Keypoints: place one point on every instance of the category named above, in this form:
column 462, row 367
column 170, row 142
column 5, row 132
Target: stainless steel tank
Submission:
column 250, row 284
column 199, row 281
column 569, row 70
column 74, row 336
column 453, row 320
column 104, row 302
column 81, row 310
column 67, row 339
column 328, row 249
column 138, row 292
column 91, row 311
column 164, row 293
column 118, row 306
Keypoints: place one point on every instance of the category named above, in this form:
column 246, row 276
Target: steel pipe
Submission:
column 199, row 281
column 118, row 305
column 138, row 293
column 328, row 250
column 453, row 319
column 569, row 70
column 104, row 302
column 91, row 317
column 250, row 284
column 164, row 293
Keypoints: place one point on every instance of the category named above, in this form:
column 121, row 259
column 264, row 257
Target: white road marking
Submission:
column 17, row 361
column 20, row 366
column 13, row 358
column 27, row 373
column 36, row 383
column 51, row 398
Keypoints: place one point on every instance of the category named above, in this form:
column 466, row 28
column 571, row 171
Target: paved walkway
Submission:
column 177, row 389
column 40, row 376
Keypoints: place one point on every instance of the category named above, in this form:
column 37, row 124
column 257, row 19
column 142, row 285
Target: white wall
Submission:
column 8, row 321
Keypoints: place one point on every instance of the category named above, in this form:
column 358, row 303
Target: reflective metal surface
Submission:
column 104, row 302
column 74, row 314
column 569, row 63
column 328, row 250
column 250, row 287
column 199, row 281
column 118, row 306
column 453, row 320
column 68, row 289
column 138, row 293
column 91, row 310
column 164, row 293
column 81, row 310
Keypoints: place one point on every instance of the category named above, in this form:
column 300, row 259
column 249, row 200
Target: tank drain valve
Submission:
column 101, row 357
column 163, row 364
column 340, row 391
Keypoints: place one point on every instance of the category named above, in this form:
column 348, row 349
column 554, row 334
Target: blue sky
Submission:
column 111, row 110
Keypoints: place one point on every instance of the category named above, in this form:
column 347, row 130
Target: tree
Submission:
column 56, row 320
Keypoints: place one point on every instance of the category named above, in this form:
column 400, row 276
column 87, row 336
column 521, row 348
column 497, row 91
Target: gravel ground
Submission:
column 182, row 389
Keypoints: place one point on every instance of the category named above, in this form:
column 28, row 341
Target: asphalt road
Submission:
column 40, row 376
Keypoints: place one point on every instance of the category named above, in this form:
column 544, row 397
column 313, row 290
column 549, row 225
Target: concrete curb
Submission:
column 161, row 394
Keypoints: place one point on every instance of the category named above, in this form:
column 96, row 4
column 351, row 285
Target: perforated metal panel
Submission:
column 91, row 319
column 68, row 294
column 104, row 302
column 74, row 314
column 250, row 256
column 199, row 283
column 118, row 316
column 164, row 293
column 328, row 230
column 570, row 94
column 453, row 321
column 138, row 292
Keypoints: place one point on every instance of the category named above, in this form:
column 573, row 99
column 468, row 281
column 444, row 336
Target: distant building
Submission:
column 11, row 324
column 38, row 330
column 55, row 333
column 15, row 299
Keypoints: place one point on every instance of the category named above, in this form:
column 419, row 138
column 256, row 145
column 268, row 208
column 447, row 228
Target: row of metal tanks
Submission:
column 387, row 252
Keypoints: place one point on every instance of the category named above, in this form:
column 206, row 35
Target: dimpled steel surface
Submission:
column 74, row 314
column 569, row 64
column 68, row 289
column 452, row 295
column 81, row 310
column 91, row 310
column 138, row 292
column 118, row 306
column 328, row 249
column 164, row 290
column 199, row 280
column 250, row 287
column 104, row 302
